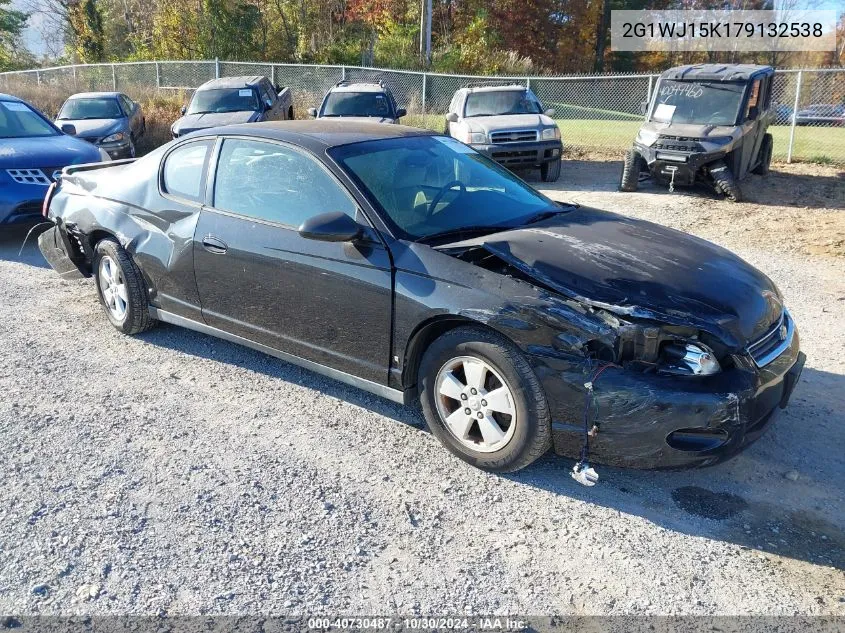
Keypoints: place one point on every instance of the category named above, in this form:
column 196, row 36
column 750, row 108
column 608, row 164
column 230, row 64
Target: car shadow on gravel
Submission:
column 779, row 188
column 782, row 495
column 12, row 238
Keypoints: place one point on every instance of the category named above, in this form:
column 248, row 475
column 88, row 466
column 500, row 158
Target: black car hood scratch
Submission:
column 641, row 270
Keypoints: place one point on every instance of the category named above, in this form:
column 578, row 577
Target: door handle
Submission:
column 214, row 245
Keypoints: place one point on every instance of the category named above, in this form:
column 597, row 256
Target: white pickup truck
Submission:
column 508, row 124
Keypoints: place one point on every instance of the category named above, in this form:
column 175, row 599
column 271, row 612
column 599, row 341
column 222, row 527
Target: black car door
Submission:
column 327, row 302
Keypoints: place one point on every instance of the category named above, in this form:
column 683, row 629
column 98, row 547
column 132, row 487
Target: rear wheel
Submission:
column 550, row 171
column 121, row 288
column 631, row 169
column 724, row 181
column 482, row 400
column 765, row 156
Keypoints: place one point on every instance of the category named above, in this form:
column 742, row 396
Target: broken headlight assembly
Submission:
column 687, row 359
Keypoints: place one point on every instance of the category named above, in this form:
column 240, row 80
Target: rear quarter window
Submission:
column 183, row 175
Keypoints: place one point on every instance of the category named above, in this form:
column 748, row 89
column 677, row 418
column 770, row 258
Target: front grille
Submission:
column 525, row 156
column 679, row 143
column 25, row 210
column 29, row 176
column 513, row 136
column 772, row 344
column 94, row 140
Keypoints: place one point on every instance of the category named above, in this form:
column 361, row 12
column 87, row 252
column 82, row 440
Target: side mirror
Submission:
column 334, row 226
column 268, row 105
column 278, row 89
column 183, row 110
column 643, row 107
column 550, row 112
column 401, row 112
column 753, row 113
column 452, row 117
column 312, row 112
column 70, row 129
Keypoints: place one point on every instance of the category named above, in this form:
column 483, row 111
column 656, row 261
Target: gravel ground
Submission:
column 175, row 473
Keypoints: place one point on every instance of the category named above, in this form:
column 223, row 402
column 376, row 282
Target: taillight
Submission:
column 45, row 207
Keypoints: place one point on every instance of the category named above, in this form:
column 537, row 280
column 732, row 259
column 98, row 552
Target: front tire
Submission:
column 550, row 171
column 121, row 288
column 724, row 181
column 483, row 401
column 631, row 169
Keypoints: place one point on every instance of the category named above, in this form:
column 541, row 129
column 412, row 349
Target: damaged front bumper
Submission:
column 655, row 421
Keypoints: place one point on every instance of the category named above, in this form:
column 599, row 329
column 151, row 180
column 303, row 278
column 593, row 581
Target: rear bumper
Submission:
column 655, row 422
column 54, row 244
column 525, row 154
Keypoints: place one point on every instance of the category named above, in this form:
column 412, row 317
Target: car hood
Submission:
column 642, row 270
column 694, row 130
column 46, row 151
column 191, row 122
column 93, row 127
column 499, row 122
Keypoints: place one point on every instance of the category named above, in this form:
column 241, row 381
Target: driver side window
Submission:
column 275, row 183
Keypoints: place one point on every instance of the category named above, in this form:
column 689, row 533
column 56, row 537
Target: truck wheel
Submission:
column 550, row 171
column 121, row 288
column 724, row 181
column 483, row 401
column 765, row 156
column 631, row 169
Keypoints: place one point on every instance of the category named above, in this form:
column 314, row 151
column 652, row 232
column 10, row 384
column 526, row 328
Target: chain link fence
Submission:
column 595, row 113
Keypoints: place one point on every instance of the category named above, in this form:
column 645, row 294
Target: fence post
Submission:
column 74, row 77
column 158, row 77
column 794, row 114
column 273, row 75
column 38, row 77
column 650, row 88
column 217, row 68
column 113, row 78
column 343, row 73
column 425, row 76
column 528, row 83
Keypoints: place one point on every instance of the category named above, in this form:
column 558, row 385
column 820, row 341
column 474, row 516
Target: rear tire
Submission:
column 724, row 181
column 631, row 169
column 550, row 171
column 121, row 288
column 457, row 371
column 765, row 156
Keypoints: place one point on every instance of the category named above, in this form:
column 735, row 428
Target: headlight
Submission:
column 688, row 359
column 113, row 138
column 719, row 140
column 551, row 133
column 104, row 157
column 647, row 137
column 475, row 137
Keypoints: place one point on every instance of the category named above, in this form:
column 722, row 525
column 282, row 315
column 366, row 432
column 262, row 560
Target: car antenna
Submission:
column 582, row 472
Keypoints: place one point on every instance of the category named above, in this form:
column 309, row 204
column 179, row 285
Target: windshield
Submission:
column 103, row 108
column 701, row 102
column 427, row 185
column 18, row 120
column 357, row 104
column 224, row 100
column 502, row 102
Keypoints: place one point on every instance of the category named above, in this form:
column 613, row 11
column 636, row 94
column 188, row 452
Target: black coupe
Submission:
column 405, row 263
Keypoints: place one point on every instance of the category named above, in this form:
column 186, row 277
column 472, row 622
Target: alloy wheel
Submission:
column 113, row 288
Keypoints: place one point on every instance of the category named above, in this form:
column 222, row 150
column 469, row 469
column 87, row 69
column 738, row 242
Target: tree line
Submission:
column 468, row 36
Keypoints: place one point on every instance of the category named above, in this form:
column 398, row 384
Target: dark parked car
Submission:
column 405, row 263
column 32, row 152
column 234, row 100
column 821, row 114
column 351, row 101
column 109, row 120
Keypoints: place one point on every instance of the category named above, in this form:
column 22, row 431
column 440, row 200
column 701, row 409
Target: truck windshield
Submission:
column 18, row 120
column 501, row 102
column 700, row 102
column 357, row 104
column 435, row 187
column 224, row 100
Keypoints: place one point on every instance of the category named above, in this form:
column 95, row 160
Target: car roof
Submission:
column 500, row 88
column 318, row 135
column 717, row 72
column 232, row 82
column 94, row 95
column 359, row 87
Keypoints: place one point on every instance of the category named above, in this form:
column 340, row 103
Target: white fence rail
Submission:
column 595, row 113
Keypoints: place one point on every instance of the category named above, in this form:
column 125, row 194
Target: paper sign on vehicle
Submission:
column 664, row 113
column 246, row 92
